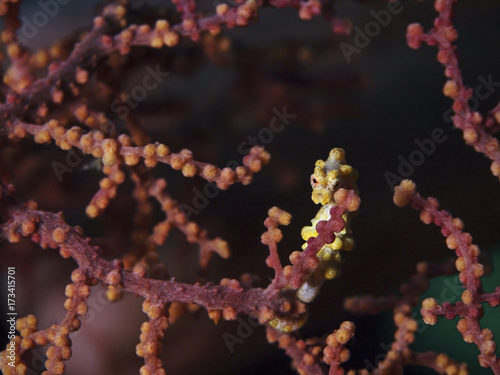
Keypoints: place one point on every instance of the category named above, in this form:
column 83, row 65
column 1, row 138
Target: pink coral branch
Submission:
column 270, row 238
column 307, row 260
column 470, row 308
column 88, row 259
column 305, row 356
column 476, row 127
column 112, row 151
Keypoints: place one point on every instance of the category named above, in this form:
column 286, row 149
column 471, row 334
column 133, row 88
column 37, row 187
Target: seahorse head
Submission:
column 331, row 174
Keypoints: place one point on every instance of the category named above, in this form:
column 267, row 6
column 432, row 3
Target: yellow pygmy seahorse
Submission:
column 328, row 177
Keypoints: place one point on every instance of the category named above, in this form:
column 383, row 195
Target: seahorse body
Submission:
column 328, row 177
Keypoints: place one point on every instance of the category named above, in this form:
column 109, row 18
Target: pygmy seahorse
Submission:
column 329, row 176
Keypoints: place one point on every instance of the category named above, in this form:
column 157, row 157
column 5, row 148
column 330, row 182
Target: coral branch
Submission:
column 476, row 128
column 83, row 95
column 470, row 307
column 114, row 151
column 72, row 244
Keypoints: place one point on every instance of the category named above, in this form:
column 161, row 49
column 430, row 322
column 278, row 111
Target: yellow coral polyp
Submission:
column 332, row 175
column 348, row 244
column 320, row 164
column 330, row 273
column 345, row 170
column 321, row 196
column 337, row 244
column 327, row 256
column 308, row 232
column 337, row 154
column 288, row 324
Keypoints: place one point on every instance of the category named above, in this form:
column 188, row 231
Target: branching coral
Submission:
column 52, row 100
column 276, row 305
column 478, row 130
column 470, row 308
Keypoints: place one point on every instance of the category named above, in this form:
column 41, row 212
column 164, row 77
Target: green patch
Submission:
column 444, row 336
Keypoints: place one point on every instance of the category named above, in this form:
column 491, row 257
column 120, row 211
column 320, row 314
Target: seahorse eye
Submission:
column 314, row 181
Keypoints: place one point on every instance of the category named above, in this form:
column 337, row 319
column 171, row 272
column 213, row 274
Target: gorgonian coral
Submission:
column 71, row 98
